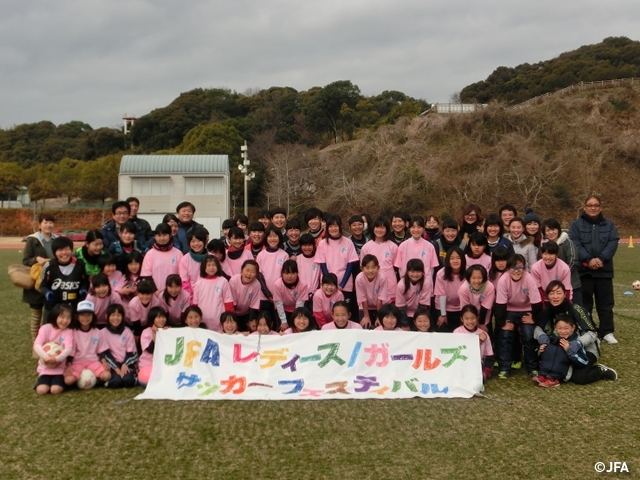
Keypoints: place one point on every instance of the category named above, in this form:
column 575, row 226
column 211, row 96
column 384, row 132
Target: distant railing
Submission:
column 579, row 87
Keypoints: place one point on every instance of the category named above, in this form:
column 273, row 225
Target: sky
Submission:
column 97, row 60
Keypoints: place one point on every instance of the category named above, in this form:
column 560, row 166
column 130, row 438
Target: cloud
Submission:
column 94, row 61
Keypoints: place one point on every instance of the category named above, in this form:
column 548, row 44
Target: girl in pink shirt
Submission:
column 139, row 307
column 189, row 266
column 271, row 260
column 264, row 325
column 518, row 304
column 51, row 366
column 499, row 260
column 289, row 293
column 416, row 247
column 192, row 317
column 212, row 294
column 128, row 284
column 217, row 248
column 237, row 254
column 229, row 323
column 448, row 282
column 302, row 321
column 85, row 354
column 469, row 318
column 551, row 268
column 337, row 254
column 163, row 258
column 325, row 298
column 174, row 299
column 102, row 296
column 118, row 349
column 479, row 292
column 476, row 251
column 245, row 290
column 371, row 291
column 415, row 290
column 109, row 266
column 157, row 320
column 341, row 314
column 385, row 251
column 308, row 269
column 389, row 318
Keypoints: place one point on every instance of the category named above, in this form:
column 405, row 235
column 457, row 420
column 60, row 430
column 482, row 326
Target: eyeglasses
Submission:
column 595, row 205
column 517, row 268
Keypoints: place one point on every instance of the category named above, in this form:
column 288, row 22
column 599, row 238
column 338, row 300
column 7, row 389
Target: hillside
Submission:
column 614, row 57
column 550, row 155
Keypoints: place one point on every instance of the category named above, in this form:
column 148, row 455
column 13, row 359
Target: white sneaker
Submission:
column 610, row 339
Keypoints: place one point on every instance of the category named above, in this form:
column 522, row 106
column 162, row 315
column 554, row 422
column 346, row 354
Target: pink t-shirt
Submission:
column 448, row 289
column 350, row 325
column 323, row 305
column 159, row 265
column 484, row 260
column 86, row 345
column 414, row 297
column 115, row 279
column 233, row 267
column 291, row 298
column 122, row 283
column 543, row 276
column 189, row 271
column 421, row 249
column 138, row 312
column 518, row 296
column 101, row 304
column 485, row 299
column 49, row 333
column 386, row 253
column 271, row 332
column 245, row 297
column 337, row 254
column 371, row 291
column 146, row 358
column 495, row 281
column 118, row 344
column 309, row 271
column 381, row 328
column 175, row 306
column 486, row 350
column 211, row 294
column 271, row 267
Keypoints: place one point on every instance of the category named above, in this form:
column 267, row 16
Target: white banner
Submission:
column 198, row 364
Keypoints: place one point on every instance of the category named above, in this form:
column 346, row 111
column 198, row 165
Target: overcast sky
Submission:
column 95, row 60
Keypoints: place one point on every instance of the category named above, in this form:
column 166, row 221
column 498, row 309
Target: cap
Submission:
column 86, row 306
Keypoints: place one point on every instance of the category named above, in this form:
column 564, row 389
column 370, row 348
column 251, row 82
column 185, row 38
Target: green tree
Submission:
column 324, row 106
column 99, row 178
column 11, row 178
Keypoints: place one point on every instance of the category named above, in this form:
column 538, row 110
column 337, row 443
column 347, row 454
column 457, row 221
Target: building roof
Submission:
column 173, row 164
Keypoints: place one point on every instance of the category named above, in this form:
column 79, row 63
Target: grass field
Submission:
column 520, row 431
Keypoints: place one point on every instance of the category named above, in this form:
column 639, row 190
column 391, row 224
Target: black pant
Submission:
column 116, row 381
column 587, row 373
column 600, row 290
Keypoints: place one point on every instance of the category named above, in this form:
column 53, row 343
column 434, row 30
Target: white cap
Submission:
column 86, row 306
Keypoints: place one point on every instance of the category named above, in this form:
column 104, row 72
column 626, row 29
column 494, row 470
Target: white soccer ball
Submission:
column 87, row 379
column 51, row 348
column 636, row 285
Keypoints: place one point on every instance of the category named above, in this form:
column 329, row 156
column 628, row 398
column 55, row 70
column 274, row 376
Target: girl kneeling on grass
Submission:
column 341, row 314
column 86, row 340
column 303, row 321
column 51, row 365
column 157, row 320
column 118, row 349
column 389, row 317
column 264, row 325
column 470, row 324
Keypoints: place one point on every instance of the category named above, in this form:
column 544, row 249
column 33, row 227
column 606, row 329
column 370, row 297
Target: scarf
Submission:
column 480, row 290
column 163, row 248
column 117, row 330
column 198, row 257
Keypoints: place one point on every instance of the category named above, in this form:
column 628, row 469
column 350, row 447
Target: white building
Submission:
column 161, row 182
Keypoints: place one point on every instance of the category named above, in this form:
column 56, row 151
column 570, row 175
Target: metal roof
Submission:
column 168, row 164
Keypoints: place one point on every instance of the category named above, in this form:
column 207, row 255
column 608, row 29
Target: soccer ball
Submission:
column 87, row 380
column 636, row 285
column 51, row 348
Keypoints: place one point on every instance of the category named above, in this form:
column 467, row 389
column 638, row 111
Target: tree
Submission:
column 11, row 177
column 325, row 107
column 99, row 178
column 43, row 188
column 67, row 177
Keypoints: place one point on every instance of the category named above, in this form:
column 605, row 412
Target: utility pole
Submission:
column 244, row 169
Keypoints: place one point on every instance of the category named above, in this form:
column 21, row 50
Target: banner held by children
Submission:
column 198, row 364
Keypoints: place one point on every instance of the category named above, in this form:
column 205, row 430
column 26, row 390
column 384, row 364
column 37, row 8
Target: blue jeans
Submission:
column 505, row 343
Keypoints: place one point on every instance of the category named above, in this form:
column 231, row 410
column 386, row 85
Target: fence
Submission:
column 24, row 221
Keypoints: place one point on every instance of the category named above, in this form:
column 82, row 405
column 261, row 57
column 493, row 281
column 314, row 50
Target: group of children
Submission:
column 267, row 278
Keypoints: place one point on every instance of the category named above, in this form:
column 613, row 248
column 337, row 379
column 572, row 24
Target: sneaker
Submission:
column 516, row 365
column 549, row 382
column 607, row 373
column 496, row 364
column 503, row 374
column 533, row 373
column 538, row 378
column 610, row 339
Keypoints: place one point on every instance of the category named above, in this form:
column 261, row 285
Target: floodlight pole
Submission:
column 244, row 168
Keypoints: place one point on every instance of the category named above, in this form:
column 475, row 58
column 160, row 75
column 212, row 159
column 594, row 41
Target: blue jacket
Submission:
column 555, row 361
column 594, row 239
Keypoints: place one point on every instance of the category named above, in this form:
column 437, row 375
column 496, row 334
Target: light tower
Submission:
column 244, row 169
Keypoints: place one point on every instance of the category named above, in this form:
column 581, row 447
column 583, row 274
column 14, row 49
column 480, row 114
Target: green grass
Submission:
column 519, row 432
